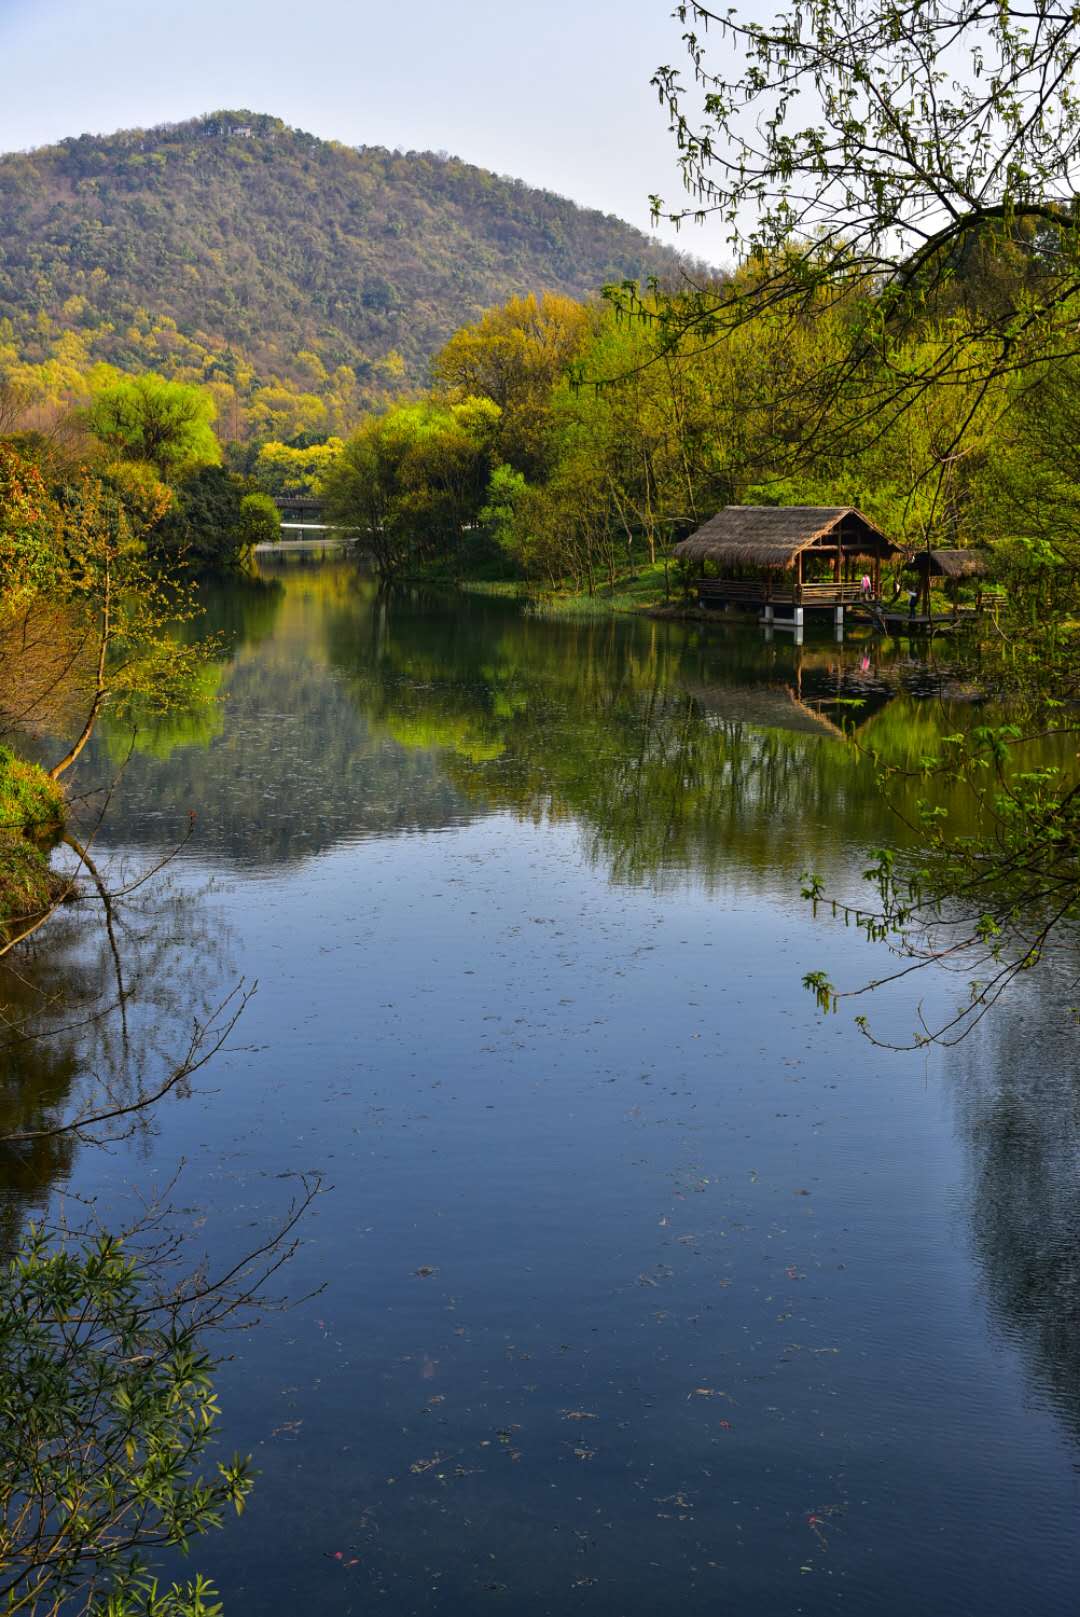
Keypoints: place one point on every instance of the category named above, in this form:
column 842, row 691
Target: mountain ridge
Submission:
column 233, row 245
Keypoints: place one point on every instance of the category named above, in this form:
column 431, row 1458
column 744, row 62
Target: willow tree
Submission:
column 899, row 160
column 915, row 168
column 148, row 418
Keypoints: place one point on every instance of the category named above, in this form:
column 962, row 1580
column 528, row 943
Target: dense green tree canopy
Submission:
column 408, row 482
column 167, row 424
column 205, row 526
column 515, row 355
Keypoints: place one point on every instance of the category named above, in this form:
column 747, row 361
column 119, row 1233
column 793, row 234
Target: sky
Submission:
column 555, row 94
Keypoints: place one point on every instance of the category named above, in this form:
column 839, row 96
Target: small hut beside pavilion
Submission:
column 956, row 564
column 791, row 555
column 950, row 568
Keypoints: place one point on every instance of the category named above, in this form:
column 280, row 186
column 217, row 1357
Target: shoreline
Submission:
column 32, row 812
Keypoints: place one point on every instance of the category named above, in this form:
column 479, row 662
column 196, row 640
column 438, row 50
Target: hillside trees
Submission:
column 281, row 468
column 278, row 262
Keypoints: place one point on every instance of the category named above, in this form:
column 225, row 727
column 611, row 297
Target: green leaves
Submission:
column 107, row 1404
column 822, row 989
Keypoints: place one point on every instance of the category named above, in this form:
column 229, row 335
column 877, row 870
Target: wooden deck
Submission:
column 899, row 622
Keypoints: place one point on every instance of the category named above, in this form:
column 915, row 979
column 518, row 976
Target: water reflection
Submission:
column 1017, row 1093
column 594, row 1153
column 100, row 1001
column 279, row 762
column 338, row 712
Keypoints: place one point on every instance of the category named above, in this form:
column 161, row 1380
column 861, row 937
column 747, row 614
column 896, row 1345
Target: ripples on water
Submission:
column 646, row 1288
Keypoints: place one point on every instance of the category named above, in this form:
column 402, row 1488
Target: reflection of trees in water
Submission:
column 348, row 712
column 236, row 613
column 80, row 1010
column 240, row 611
column 677, row 752
column 291, row 765
column 1017, row 1092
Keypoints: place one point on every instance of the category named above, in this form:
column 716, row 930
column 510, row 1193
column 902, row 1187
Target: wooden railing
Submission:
column 829, row 593
column 746, row 589
column 764, row 592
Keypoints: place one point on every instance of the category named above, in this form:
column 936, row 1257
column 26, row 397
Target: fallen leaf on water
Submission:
column 426, row 1465
column 287, row 1426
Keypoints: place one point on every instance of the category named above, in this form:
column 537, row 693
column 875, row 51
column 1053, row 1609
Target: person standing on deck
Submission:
column 866, row 586
column 913, row 600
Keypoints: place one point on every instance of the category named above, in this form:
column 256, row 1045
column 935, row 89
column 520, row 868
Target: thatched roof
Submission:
column 773, row 535
column 952, row 563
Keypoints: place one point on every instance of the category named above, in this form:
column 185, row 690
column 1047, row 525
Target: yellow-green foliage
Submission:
column 31, row 814
column 30, row 803
column 284, row 469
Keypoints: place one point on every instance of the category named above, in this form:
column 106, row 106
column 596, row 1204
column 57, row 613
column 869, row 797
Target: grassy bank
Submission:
column 642, row 590
column 31, row 818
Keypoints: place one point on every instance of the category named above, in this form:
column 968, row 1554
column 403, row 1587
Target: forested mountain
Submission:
column 233, row 248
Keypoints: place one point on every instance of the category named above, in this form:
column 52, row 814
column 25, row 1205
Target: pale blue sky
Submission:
column 556, row 94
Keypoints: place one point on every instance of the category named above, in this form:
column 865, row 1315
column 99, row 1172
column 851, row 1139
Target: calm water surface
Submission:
column 647, row 1288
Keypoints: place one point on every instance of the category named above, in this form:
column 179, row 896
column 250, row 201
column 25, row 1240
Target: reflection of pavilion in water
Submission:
column 821, row 694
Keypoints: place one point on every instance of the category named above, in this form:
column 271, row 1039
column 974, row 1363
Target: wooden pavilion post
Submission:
column 925, row 581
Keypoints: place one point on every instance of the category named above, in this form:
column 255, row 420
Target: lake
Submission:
column 644, row 1285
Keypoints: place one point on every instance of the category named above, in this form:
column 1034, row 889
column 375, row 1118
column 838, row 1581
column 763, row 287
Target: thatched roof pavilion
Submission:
column 770, row 540
column 952, row 563
column 776, row 535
